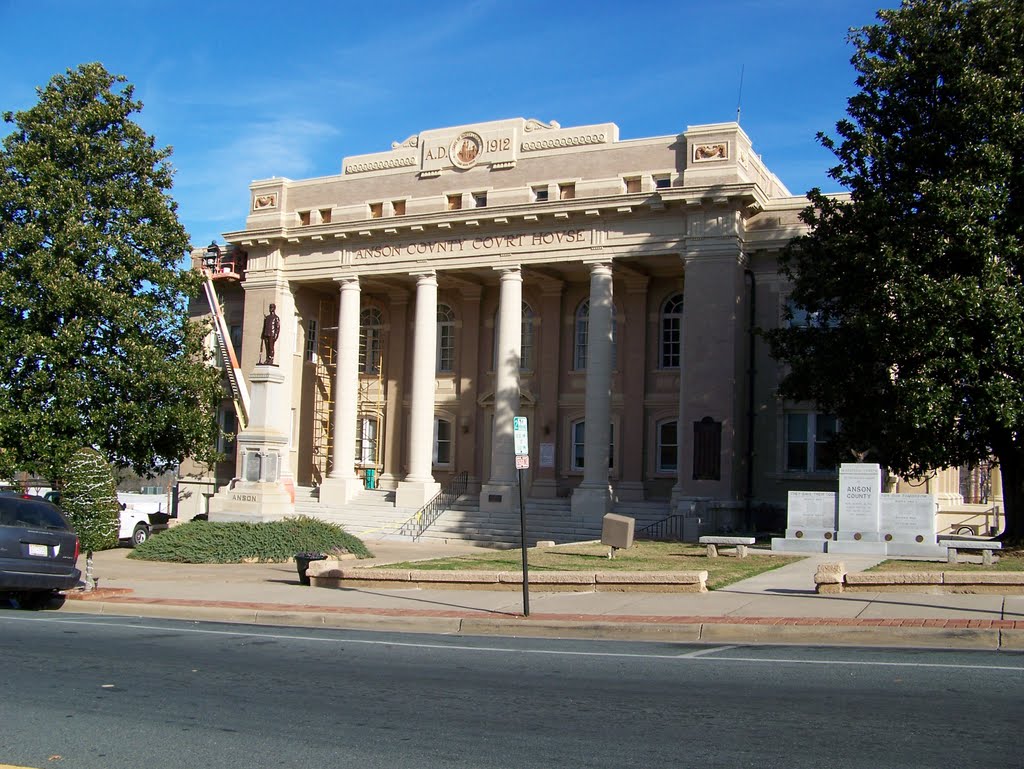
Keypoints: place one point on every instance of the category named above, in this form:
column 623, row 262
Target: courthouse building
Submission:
column 607, row 290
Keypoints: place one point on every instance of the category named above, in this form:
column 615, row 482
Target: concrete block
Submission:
column 617, row 531
column 382, row 575
column 652, row 577
column 830, row 587
column 830, row 573
column 475, row 577
column 894, row 578
column 549, row 577
column 546, row 543
column 983, row 577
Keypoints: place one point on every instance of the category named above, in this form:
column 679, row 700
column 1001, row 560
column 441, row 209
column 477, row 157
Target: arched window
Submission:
column 583, row 333
column 668, row 446
column 525, row 340
column 370, row 324
column 671, row 350
column 577, row 431
column 445, row 338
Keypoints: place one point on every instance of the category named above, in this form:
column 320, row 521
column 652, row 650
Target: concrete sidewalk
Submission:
column 779, row 606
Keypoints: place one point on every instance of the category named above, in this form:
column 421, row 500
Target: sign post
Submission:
column 521, row 440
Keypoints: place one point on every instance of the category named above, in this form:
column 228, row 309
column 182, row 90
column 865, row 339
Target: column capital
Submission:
column 510, row 271
column 424, row 275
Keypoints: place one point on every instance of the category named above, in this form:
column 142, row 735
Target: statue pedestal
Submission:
column 265, row 491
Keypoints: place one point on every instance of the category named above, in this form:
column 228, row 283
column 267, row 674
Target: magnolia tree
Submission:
column 98, row 349
column 913, row 287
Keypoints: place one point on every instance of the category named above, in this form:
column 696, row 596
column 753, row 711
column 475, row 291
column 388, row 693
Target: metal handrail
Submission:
column 430, row 512
column 666, row 530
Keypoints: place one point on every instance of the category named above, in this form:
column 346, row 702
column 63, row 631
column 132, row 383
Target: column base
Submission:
column 591, row 502
column 415, row 494
column 629, row 491
column 252, row 502
column 499, row 498
column 544, row 488
column 339, row 491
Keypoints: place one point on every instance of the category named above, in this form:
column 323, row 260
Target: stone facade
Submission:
column 605, row 289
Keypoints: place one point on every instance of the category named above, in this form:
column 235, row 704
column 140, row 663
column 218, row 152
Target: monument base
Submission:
column 915, row 549
column 801, row 545
column 252, row 502
column 854, row 547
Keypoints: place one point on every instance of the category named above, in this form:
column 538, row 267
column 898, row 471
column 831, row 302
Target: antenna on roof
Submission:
column 739, row 97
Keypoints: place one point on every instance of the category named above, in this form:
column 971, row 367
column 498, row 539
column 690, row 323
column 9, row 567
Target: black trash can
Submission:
column 302, row 561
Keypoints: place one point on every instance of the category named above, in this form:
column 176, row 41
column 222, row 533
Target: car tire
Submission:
column 39, row 600
column 140, row 535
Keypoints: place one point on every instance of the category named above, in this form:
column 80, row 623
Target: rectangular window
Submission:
column 311, row 340
column 455, row 202
column 668, row 447
column 325, row 216
column 540, row 194
column 807, row 442
column 442, row 442
column 376, row 210
column 229, row 429
column 578, row 446
column 369, row 351
column 304, row 218
column 479, row 199
column 567, row 191
column 399, row 207
column 235, row 332
column 632, row 184
column 662, row 182
column 366, row 441
column 445, row 347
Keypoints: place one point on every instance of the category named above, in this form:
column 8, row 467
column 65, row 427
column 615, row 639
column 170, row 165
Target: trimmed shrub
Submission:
column 89, row 500
column 271, row 542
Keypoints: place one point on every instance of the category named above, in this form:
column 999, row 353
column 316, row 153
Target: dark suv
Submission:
column 38, row 551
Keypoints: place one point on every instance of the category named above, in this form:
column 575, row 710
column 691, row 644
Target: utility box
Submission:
column 617, row 531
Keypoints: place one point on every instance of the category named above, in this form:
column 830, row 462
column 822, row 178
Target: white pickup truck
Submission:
column 138, row 520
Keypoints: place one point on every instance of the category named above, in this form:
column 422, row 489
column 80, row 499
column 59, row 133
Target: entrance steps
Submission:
column 372, row 516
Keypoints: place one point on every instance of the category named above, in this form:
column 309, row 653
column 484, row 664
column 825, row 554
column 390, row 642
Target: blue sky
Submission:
column 245, row 91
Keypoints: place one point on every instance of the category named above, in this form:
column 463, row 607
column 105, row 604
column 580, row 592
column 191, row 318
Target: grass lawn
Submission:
column 643, row 556
column 1010, row 559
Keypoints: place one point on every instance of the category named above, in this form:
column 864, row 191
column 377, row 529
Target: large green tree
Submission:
column 913, row 285
column 97, row 347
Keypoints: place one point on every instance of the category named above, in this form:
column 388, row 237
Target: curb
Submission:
column 991, row 635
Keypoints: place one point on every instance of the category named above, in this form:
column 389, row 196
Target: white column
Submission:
column 342, row 483
column 419, row 486
column 497, row 494
column 593, row 495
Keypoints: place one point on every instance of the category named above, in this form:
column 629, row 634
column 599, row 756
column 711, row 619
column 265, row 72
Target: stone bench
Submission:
column 741, row 544
column 954, row 545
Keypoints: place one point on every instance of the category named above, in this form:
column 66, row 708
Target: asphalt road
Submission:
column 88, row 692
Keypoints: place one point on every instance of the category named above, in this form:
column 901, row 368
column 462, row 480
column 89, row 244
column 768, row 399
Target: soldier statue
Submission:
column 271, row 331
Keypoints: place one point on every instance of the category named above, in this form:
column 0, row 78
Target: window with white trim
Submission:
column 442, row 441
column 366, row 441
column 582, row 336
column 311, row 340
column 807, row 441
column 371, row 323
column 668, row 446
column 526, row 340
column 577, row 431
column 671, row 342
column 445, row 339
